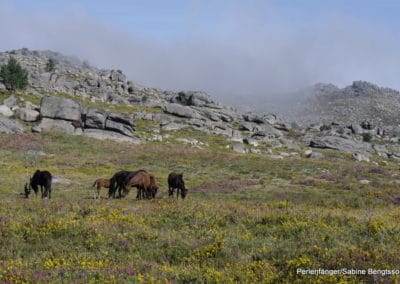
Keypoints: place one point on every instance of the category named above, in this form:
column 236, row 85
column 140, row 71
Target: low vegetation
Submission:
column 13, row 75
column 246, row 218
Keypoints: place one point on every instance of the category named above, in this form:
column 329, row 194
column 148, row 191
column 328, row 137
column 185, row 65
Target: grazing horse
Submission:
column 141, row 180
column 99, row 183
column 118, row 182
column 153, row 186
column 42, row 178
column 176, row 181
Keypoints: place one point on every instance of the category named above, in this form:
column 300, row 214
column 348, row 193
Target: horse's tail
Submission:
column 95, row 182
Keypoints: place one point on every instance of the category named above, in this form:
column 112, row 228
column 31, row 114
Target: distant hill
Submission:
column 327, row 103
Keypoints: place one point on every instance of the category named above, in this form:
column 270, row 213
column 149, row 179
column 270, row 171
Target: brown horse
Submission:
column 99, row 183
column 141, row 181
column 153, row 186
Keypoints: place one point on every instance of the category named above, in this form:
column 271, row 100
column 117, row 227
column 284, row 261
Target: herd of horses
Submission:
column 122, row 181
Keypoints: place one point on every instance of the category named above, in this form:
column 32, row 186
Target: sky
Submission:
column 227, row 48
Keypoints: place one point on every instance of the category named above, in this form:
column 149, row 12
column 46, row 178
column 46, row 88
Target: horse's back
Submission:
column 42, row 178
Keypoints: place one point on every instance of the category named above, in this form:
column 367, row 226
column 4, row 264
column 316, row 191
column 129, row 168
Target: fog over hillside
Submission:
column 248, row 54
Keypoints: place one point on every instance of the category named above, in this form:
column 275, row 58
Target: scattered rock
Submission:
column 307, row 153
column 251, row 141
column 361, row 157
column 27, row 114
column 190, row 141
column 172, row 126
column 6, row 111
column 11, row 101
column 240, row 148
column 61, row 180
column 317, row 155
column 276, row 157
column 10, row 126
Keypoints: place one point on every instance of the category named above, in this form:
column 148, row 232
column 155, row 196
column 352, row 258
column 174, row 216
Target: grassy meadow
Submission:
column 246, row 218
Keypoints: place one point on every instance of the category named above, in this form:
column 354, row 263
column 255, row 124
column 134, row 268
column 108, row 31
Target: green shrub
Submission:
column 13, row 76
column 367, row 137
column 50, row 65
column 325, row 127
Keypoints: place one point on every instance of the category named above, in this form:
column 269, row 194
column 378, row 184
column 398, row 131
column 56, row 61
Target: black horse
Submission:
column 176, row 181
column 42, row 178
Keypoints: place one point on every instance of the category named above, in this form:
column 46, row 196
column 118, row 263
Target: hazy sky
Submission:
column 224, row 47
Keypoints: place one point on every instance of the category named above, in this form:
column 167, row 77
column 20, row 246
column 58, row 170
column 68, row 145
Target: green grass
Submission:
column 246, row 219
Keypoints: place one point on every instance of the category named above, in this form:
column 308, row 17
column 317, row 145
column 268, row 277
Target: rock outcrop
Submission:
column 344, row 120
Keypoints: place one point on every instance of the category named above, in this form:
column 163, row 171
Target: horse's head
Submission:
column 184, row 192
column 154, row 190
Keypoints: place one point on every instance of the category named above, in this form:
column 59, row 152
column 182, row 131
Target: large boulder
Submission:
column 120, row 123
column 10, row 126
column 192, row 98
column 340, row 143
column 49, row 125
column 60, row 108
column 252, row 117
column 95, row 118
column 180, row 110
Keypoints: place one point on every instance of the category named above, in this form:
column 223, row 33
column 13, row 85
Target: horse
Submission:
column 176, row 181
column 141, row 180
column 42, row 178
column 99, row 183
column 153, row 186
column 118, row 182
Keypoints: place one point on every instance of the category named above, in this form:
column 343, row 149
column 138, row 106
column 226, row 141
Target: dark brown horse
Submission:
column 176, row 181
column 141, row 180
column 153, row 186
column 42, row 179
column 99, row 183
column 118, row 182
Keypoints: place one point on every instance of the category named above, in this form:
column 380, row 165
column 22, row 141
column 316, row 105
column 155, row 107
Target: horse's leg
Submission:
column 177, row 192
column 170, row 191
column 111, row 189
column 141, row 192
column 138, row 193
column 35, row 189
column 49, row 192
column 98, row 191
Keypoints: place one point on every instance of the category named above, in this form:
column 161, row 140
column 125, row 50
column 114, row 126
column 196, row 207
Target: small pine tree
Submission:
column 13, row 76
column 367, row 137
column 50, row 65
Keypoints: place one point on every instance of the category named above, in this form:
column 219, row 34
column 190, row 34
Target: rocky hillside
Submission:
column 79, row 99
column 357, row 103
